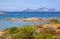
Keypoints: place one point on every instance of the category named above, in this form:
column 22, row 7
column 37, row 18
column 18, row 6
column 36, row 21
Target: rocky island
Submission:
column 2, row 13
column 43, row 9
column 29, row 19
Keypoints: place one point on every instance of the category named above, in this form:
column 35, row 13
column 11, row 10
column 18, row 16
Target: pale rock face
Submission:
column 51, row 25
column 32, row 19
column 1, row 32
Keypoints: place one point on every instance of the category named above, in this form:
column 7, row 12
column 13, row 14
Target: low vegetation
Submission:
column 32, row 32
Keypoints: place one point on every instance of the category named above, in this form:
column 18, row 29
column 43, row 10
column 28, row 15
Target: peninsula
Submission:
column 29, row 19
column 2, row 13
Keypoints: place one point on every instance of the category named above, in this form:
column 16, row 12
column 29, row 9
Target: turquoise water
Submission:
column 29, row 14
column 6, row 23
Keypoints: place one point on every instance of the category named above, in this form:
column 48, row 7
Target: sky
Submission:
column 19, row 5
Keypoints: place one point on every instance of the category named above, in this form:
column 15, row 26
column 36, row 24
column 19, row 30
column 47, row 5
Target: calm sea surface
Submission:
column 5, row 23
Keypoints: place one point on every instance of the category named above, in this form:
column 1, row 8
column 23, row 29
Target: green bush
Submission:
column 23, row 32
column 27, row 32
column 48, row 36
column 38, row 36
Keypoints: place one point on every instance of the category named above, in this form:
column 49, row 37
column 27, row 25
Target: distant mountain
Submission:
column 27, row 10
column 44, row 10
column 40, row 10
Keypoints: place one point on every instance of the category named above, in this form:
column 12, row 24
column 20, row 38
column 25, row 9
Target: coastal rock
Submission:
column 2, row 13
column 52, row 25
column 29, row 19
column 1, row 32
column 15, row 19
column 24, row 19
column 32, row 19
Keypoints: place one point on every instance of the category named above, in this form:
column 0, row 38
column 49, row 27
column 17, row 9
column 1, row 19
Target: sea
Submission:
column 8, row 23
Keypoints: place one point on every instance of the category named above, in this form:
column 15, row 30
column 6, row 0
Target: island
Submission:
column 29, row 19
column 2, row 13
column 43, row 9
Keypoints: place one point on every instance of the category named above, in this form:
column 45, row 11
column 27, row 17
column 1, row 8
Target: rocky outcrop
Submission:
column 32, row 19
column 29, row 19
column 14, row 19
column 24, row 19
column 52, row 25
column 2, row 13
column 1, row 32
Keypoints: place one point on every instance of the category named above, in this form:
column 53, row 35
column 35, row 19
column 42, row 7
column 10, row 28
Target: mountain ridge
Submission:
column 44, row 9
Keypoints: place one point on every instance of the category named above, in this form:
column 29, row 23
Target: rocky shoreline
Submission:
column 2, row 13
column 29, row 19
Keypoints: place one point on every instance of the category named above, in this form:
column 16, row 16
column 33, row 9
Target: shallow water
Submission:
column 6, row 23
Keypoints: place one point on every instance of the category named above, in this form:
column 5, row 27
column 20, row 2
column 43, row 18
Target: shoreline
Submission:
column 2, row 13
column 29, row 19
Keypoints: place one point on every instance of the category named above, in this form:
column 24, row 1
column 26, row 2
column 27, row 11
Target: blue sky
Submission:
column 18, row 5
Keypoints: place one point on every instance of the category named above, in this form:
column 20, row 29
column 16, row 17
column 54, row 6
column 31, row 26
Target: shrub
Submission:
column 23, row 32
column 48, row 36
column 38, row 36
